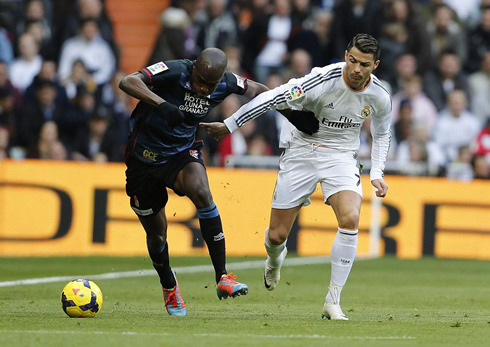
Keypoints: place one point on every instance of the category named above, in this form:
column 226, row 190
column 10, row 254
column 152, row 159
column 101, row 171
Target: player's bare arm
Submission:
column 134, row 85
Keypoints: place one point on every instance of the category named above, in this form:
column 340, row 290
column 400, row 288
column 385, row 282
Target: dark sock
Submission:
column 212, row 232
column 161, row 263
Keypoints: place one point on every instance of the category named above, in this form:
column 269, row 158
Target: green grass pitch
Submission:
column 390, row 302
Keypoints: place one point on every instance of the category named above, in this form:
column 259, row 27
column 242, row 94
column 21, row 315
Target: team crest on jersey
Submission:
column 157, row 68
column 194, row 153
column 296, row 92
column 366, row 111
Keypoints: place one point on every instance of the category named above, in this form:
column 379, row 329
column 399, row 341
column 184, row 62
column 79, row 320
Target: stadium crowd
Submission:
column 59, row 75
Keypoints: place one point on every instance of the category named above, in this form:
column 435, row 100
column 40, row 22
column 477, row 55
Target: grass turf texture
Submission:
column 430, row 302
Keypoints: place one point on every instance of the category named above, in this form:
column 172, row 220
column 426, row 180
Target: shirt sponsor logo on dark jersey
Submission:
column 150, row 155
column 194, row 104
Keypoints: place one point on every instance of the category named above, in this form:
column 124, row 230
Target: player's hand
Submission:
column 171, row 114
column 381, row 187
column 304, row 121
column 216, row 130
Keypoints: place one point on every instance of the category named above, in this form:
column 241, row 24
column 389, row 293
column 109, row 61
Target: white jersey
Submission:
column 340, row 110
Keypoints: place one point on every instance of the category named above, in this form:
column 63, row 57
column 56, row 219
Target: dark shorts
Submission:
column 146, row 185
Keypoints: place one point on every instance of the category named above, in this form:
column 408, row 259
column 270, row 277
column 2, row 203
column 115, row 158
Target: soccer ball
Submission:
column 81, row 298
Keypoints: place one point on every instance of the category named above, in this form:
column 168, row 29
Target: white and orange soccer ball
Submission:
column 81, row 298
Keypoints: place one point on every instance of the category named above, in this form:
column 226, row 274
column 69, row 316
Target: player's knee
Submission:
column 202, row 197
column 276, row 237
column 155, row 241
column 349, row 220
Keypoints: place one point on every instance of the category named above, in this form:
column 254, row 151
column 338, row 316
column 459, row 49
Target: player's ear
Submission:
column 376, row 64
column 346, row 54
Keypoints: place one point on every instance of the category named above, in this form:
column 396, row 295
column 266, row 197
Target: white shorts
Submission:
column 300, row 170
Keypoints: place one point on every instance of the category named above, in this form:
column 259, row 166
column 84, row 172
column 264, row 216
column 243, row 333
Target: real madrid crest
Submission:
column 366, row 111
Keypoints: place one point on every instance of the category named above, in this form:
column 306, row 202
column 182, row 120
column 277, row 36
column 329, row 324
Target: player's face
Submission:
column 359, row 67
column 204, row 86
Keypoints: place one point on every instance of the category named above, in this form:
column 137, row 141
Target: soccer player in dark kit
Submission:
column 162, row 152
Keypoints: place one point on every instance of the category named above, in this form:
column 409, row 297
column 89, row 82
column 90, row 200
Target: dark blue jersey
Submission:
column 151, row 139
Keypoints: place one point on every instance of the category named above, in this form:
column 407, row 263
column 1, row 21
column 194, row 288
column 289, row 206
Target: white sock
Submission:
column 342, row 257
column 275, row 255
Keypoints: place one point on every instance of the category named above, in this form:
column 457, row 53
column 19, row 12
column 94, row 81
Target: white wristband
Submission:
column 231, row 124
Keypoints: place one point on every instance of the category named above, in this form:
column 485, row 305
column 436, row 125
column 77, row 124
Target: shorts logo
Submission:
column 136, row 201
column 194, row 153
column 150, row 155
column 366, row 111
column 157, row 68
column 296, row 92
column 142, row 212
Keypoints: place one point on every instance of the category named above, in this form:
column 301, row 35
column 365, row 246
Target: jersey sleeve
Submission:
column 295, row 94
column 235, row 84
column 380, row 129
column 162, row 73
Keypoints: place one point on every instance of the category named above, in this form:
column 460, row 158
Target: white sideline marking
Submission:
column 314, row 336
column 150, row 272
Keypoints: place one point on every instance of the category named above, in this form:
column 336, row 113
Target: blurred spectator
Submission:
column 480, row 89
column 25, row 67
column 234, row 55
column 90, row 48
column 428, row 10
column 232, row 144
column 119, row 105
column 418, row 147
column 479, row 41
column 4, row 142
column 402, row 127
column 8, row 116
column 423, row 109
column 482, row 145
column 79, row 76
column 475, row 15
column 352, row 17
column 456, row 126
column 98, row 142
column 48, row 145
column 405, row 68
column 481, row 167
column 447, row 77
column 172, row 42
column 463, row 8
column 218, row 28
column 35, row 22
column 303, row 12
column 48, row 72
column 35, row 113
column 76, row 117
column 89, row 9
column 257, row 145
column 460, row 169
column 446, row 34
column 265, row 42
column 418, row 41
column 299, row 65
column 6, row 49
column 322, row 28
column 392, row 45
column 270, row 123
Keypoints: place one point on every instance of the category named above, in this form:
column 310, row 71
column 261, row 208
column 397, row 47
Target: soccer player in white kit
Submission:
column 341, row 96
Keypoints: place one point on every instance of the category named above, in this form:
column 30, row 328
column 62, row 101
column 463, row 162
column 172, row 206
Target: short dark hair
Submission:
column 366, row 44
